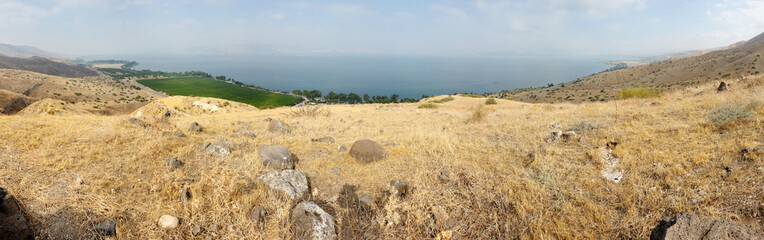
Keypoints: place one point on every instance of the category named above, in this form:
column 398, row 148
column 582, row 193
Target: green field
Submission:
column 207, row 87
column 119, row 73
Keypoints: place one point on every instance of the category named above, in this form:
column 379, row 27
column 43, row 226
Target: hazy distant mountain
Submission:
column 46, row 66
column 26, row 51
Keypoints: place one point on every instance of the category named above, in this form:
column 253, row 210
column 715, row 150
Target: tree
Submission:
column 354, row 98
column 315, row 94
column 394, row 98
column 331, row 97
column 342, row 97
column 366, row 97
column 221, row 78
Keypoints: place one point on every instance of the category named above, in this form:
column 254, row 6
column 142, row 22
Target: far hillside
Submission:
column 46, row 66
column 739, row 60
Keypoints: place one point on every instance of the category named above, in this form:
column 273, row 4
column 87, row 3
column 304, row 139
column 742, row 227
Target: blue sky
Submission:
column 561, row 27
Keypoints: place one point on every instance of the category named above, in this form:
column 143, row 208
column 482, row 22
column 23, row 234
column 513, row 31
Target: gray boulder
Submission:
column 245, row 133
column 13, row 223
column 278, row 127
column 554, row 136
column 292, row 183
column 107, row 228
column 367, row 151
column 277, row 156
column 310, row 222
column 691, row 226
column 219, row 148
column 194, row 127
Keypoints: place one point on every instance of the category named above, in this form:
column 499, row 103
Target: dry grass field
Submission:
column 484, row 171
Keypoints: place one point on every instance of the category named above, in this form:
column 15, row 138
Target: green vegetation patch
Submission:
column 442, row 100
column 207, row 87
column 490, row 101
column 472, row 95
column 640, row 92
column 428, row 106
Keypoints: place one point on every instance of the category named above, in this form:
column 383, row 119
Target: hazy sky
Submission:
column 568, row 27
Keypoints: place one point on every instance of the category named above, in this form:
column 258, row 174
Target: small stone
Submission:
column 277, row 126
column 198, row 230
column 107, row 228
column 569, row 135
column 335, row 171
column 342, row 148
column 554, row 136
column 185, row 195
column 257, row 215
column 180, row 134
column 168, row 222
column 443, row 177
column 441, row 217
column 399, row 188
column 366, row 199
column 137, row 122
column 80, row 181
column 326, row 139
column 194, row 127
column 722, row 87
column 174, row 163
column 555, row 126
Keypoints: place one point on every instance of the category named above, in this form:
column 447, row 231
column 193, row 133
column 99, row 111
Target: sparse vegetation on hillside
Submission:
column 428, row 106
column 640, row 92
column 442, row 100
column 490, row 101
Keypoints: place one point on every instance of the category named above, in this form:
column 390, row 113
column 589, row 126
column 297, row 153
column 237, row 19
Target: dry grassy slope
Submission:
column 673, row 160
column 189, row 106
column 739, row 61
column 100, row 95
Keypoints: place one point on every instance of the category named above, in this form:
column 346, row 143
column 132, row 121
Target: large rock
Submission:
column 13, row 223
column 292, row 183
column 691, row 227
column 367, row 150
column 310, row 222
column 219, row 148
column 107, row 228
column 277, row 156
column 278, row 127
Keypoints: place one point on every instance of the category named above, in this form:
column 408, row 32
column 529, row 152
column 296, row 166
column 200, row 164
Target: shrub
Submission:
column 490, row 101
column 309, row 111
column 471, row 95
column 477, row 114
column 428, row 106
column 442, row 100
column 641, row 92
column 78, row 94
column 729, row 115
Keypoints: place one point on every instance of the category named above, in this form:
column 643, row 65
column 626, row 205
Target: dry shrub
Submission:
column 730, row 114
column 442, row 100
column 490, row 101
column 428, row 106
column 477, row 114
column 309, row 111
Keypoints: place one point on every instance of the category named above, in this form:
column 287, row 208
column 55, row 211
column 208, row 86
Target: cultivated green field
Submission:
column 119, row 73
column 206, row 87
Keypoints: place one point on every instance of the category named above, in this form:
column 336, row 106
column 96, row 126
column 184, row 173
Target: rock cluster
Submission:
column 691, row 226
column 277, row 157
column 277, row 126
column 13, row 223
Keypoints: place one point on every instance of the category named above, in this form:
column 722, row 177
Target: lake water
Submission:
column 382, row 75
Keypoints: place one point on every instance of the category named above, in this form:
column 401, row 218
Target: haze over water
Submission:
column 383, row 75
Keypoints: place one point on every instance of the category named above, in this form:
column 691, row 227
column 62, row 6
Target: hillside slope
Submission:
column 474, row 172
column 740, row 60
column 98, row 94
column 46, row 66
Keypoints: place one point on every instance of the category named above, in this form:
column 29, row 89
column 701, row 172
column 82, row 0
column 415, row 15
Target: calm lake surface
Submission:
column 382, row 75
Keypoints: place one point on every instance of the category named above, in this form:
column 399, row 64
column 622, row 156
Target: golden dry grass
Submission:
column 673, row 160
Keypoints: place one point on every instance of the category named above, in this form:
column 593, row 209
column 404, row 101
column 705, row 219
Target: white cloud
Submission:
column 451, row 11
column 19, row 13
column 334, row 9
